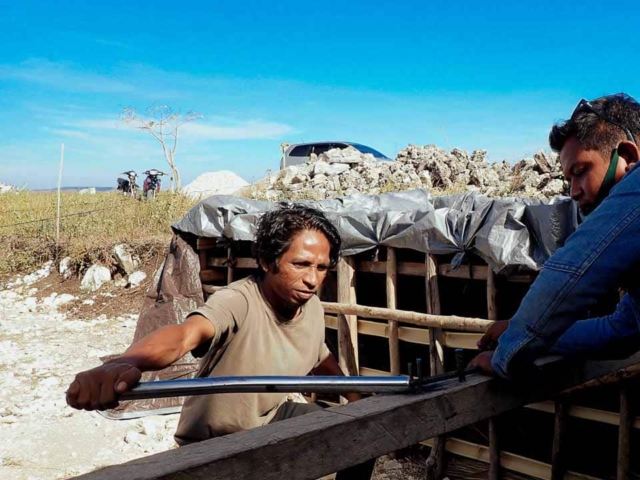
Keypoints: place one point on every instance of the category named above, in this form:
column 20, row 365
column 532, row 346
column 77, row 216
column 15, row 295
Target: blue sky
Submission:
column 492, row 75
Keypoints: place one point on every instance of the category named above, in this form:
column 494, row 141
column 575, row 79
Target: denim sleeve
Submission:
column 613, row 336
column 598, row 257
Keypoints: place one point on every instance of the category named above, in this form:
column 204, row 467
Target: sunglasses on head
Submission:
column 585, row 106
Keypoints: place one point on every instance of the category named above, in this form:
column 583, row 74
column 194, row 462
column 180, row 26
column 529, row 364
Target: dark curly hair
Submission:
column 598, row 131
column 277, row 228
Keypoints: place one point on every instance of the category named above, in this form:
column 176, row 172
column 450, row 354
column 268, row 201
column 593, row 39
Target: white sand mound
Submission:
column 214, row 183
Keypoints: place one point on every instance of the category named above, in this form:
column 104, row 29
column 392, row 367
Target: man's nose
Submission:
column 576, row 191
column 311, row 277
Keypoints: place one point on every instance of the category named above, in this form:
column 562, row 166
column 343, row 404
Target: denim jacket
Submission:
column 601, row 255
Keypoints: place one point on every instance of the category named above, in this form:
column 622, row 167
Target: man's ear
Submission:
column 264, row 265
column 628, row 151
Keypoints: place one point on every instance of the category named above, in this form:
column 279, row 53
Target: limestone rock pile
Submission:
column 341, row 172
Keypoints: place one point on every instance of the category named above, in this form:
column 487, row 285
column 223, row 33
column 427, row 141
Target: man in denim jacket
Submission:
column 598, row 149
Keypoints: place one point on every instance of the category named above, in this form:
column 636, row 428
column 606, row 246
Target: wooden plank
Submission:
column 492, row 291
column 584, row 413
column 494, row 450
column 239, row 262
column 203, row 243
column 558, row 467
column 468, row 272
column 452, row 322
column 460, row 340
column 320, row 443
column 624, row 434
column 377, row 329
column 347, row 321
column 508, row 461
column 392, row 300
column 435, row 462
column 212, row 275
column 372, row 372
column 230, row 265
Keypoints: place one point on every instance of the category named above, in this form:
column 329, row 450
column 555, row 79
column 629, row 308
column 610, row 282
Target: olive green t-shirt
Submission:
column 250, row 339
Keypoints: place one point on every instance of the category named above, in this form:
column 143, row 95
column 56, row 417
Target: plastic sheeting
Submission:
column 505, row 233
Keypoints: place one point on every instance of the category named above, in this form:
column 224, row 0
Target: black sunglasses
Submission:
column 585, row 106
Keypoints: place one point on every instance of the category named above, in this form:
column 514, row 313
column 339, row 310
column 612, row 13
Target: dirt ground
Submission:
column 45, row 339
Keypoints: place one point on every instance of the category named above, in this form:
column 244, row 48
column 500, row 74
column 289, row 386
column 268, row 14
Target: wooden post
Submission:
column 435, row 462
column 347, row 324
column 558, row 467
column 494, row 450
column 624, row 434
column 492, row 306
column 494, row 445
column 230, row 264
column 433, row 307
column 392, row 284
column 59, row 202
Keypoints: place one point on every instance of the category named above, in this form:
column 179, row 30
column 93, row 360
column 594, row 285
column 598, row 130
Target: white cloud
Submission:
column 68, row 133
column 198, row 131
column 237, row 130
column 63, row 76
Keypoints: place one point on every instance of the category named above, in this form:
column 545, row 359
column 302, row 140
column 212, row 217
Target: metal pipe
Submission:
column 268, row 384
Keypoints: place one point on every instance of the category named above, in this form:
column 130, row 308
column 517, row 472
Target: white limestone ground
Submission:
column 41, row 350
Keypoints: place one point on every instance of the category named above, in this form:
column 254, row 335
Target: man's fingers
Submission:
column 127, row 379
column 72, row 394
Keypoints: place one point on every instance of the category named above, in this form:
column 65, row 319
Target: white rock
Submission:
column 214, row 183
column 125, row 259
column 88, row 302
column 328, row 169
column 94, row 278
column 87, row 191
column 65, row 267
column 63, row 299
column 136, row 279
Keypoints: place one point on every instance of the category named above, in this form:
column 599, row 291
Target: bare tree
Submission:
column 163, row 124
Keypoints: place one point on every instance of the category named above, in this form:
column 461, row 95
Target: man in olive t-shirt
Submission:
column 272, row 324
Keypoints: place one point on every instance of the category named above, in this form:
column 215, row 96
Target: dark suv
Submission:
column 301, row 152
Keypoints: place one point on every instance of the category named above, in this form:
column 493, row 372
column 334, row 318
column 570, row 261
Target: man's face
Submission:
column 301, row 270
column 585, row 171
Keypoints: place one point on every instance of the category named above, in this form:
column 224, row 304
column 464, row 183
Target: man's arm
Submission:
column 97, row 389
column 595, row 259
column 613, row 336
column 330, row 367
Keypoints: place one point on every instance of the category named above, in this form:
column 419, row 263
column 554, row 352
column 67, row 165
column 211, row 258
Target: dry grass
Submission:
column 90, row 226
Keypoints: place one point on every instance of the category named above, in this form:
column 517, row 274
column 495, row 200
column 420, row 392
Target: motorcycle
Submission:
column 129, row 187
column 152, row 183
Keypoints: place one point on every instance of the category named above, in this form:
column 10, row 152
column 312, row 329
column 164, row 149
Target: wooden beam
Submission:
column 392, row 301
column 451, row 322
column 624, row 434
column 494, row 449
column 467, row 272
column 584, row 413
column 230, row 265
column 435, row 462
column 239, row 262
column 320, row 443
column 212, row 275
column 558, row 464
column 347, row 321
column 492, row 292
column 508, row 461
column 409, row 334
